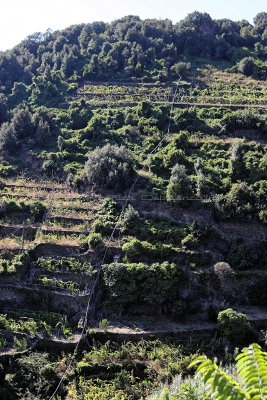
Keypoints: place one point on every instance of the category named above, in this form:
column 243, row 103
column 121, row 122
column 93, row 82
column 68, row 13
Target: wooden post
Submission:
column 23, row 235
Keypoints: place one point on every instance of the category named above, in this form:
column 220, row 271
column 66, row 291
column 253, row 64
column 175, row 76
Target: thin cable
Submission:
column 106, row 249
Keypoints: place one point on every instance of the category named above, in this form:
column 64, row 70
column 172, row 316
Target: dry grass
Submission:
column 12, row 244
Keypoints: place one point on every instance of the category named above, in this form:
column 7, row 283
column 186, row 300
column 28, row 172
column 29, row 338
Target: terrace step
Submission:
column 42, row 196
column 37, row 186
column 30, row 230
column 56, row 250
column 76, row 219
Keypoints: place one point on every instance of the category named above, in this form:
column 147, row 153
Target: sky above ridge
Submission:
column 21, row 18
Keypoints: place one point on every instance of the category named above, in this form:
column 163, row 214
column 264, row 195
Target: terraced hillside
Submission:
column 208, row 88
column 132, row 212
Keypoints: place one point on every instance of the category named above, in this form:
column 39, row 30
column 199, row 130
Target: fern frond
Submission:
column 252, row 369
column 218, row 383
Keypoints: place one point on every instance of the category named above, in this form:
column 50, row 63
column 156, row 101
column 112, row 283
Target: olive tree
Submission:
column 110, row 167
column 179, row 187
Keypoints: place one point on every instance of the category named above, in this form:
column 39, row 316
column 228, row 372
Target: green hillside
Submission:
column 133, row 180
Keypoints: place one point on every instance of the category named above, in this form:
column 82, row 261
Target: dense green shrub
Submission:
column 8, row 140
column 74, row 181
column 107, row 217
column 131, row 283
column 246, row 66
column 62, row 264
column 237, row 164
column 181, row 69
column 190, row 241
column 232, row 324
column 38, row 210
column 34, row 210
column 131, row 220
column 186, row 119
column 179, row 187
column 16, row 264
column 242, row 119
column 241, row 257
column 237, row 203
column 252, row 67
column 34, row 374
column 161, row 229
column 95, row 240
column 136, row 249
column 110, row 167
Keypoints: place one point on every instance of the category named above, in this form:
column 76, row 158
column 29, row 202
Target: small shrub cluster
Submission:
column 54, row 284
column 16, row 264
column 141, row 283
column 232, row 324
column 34, row 210
column 136, row 249
column 107, row 217
column 62, row 264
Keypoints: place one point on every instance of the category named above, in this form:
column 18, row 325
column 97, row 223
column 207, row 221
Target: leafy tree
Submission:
column 144, row 109
column 179, row 186
column 246, row 66
column 181, row 69
column 7, row 137
column 260, row 22
column 131, row 219
column 19, row 93
column 237, row 165
column 242, row 119
column 186, row 119
column 79, row 115
column 34, row 376
column 110, row 167
column 251, row 366
column 95, row 241
column 3, row 108
column 232, row 324
column 22, row 123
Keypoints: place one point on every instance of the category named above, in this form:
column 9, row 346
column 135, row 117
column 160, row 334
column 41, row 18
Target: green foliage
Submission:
column 242, row 119
column 237, row 165
column 103, row 324
column 95, row 240
column 131, row 220
column 141, row 283
column 144, row 109
column 37, row 210
column 127, row 47
column 237, row 203
column 181, row 69
column 190, row 241
column 179, row 187
column 107, row 217
column 186, row 119
column 62, row 264
column 34, row 374
column 252, row 67
column 161, row 229
column 241, row 257
column 34, row 210
column 54, row 284
column 8, row 140
column 245, row 66
column 136, row 249
column 16, row 264
column 47, row 88
column 251, row 366
column 110, row 167
column 233, row 324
